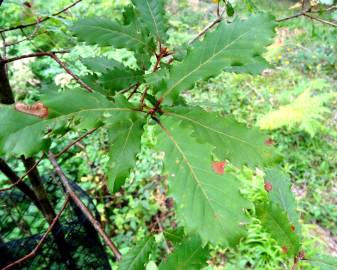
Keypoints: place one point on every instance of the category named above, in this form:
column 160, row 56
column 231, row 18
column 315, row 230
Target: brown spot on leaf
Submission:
column 38, row 109
column 268, row 186
column 284, row 249
column 219, row 167
column 292, row 228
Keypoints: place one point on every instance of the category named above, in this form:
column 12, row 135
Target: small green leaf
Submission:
column 152, row 14
column 118, row 79
column 100, row 64
column 275, row 221
column 189, row 255
column 206, row 203
column 175, row 235
column 124, row 137
column 281, row 194
column 229, row 9
column 138, row 256
column 323, row 262
column 232, row 140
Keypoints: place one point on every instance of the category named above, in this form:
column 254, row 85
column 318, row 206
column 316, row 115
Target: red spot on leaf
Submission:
column 269, row 142
column 301, row 255
column 284, row 249
column 268, row 186
column 219, row 167
column 292, row 228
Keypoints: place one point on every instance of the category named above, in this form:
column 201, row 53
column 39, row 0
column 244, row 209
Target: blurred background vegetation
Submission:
column 294, row 102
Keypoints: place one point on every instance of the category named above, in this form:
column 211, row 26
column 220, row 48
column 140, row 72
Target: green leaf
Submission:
column 323, row 262
column 175, row 235
column 239, row 44
column 232, row 140
column 189, row 255
column 105, row 32
column 152, row 14
column 118, row 79
column 23, row 134
column 125, row 138
column 207, row 203
column 100, row 64
column 136, row 258
column 229, row 9
column 281, row 194
column 275, row 221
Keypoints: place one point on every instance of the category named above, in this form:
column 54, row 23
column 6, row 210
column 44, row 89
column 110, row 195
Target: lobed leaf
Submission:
column 136, row 258
column 275, row 221
column 105, row 32
column 206, row 203
column 237, row 46
column 232, row 140
column 189, row 255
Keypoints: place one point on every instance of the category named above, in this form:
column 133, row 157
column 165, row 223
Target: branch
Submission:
column 82, row 207
column 42, row 240
column 40, row 20
column 75, row 142
column 19, row 180
column 320, row 20
column 6, row 170
column 206, row 29
column 38, row 54
column 56, row 59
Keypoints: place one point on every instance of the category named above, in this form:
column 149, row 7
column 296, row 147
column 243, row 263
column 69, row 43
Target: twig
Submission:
column 142, row 99
column 291, row 17
column 38, row 54
column 75, row 142
column 320, row 20
column 23, row 176
column 40, row 19
column 27, row 37
column 207, row 28
column 42, row 240
column 56, row 59
column 134, row 90
column 76, row 78
column 82, row 207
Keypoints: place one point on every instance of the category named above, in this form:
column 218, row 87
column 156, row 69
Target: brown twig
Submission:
column 291, row 17
column 42, row 240
column 38, row 54
column 320, row 20
column 134, row 90
column 206, row 29
column 75, row 142
column 56, row 59
column 82, row 207
column 40, row 20
column 23, row 176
